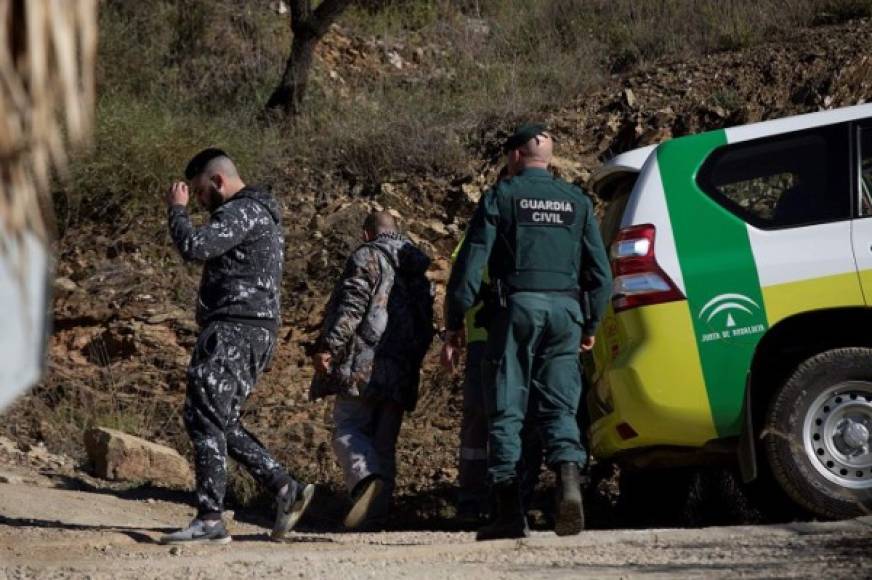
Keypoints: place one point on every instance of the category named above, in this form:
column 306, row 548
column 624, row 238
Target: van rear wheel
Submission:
column 818, row 434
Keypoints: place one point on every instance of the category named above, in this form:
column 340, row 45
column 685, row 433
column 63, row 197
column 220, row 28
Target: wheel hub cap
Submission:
column 855, row 435
column 836, row 434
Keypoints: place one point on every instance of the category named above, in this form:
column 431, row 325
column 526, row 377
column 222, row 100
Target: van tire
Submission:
column 798, row 424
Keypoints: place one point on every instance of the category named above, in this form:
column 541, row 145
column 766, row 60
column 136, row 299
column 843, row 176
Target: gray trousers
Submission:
column 365, row 439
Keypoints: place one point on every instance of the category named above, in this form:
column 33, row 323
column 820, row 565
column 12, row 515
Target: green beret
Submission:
column 523, row 134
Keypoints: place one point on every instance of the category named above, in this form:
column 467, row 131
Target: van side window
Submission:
column 866, row 172
column 791, row 180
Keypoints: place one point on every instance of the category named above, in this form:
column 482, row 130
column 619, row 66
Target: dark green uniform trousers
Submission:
column 533, row 348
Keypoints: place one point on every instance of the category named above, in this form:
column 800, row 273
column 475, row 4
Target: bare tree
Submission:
column 308, row 25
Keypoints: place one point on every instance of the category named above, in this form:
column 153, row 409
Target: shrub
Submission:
column 141, row 146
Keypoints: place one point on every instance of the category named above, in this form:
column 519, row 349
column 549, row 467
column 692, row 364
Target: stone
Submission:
column 66, row 285
column 568, row 169
column 434, row 229
column 630, row 98
column 170, row 315
column 396, row 60
column 11, row 479
column 279, row 7
column 471, row 192
column 122, row 457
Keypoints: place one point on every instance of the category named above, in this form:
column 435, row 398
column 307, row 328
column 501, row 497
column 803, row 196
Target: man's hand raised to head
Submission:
column 178, row 194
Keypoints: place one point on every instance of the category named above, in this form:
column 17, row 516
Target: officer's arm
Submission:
column 226, row 229
column 466, row 275
column 597, row 271
column 351, row 299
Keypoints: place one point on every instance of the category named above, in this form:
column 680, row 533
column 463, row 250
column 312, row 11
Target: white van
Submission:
column 741, row 323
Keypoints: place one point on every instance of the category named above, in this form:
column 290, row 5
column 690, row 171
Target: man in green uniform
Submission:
column 538, row 237
column 472, row 504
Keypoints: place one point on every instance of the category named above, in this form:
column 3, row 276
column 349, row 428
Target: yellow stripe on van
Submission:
column 654, row 383
column 785, row 300
column 866, row 283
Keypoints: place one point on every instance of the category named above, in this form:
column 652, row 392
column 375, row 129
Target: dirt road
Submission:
column 47, row 532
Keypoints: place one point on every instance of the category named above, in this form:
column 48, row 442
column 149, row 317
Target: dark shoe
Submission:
column 290, row 507
column 570, row 512
column 509, row 521
column 198, row 532
column 366, row 494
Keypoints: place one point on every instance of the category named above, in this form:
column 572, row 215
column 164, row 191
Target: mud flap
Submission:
column 747, row 449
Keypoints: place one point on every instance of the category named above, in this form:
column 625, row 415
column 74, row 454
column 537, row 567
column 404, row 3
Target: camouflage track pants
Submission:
column 225, row 365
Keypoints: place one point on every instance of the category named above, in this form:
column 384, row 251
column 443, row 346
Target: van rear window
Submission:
column 791, row 180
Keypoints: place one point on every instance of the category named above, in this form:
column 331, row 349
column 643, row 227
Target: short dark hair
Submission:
column 198, row 162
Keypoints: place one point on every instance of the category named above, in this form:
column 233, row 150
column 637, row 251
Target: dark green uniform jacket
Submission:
column 536, row 233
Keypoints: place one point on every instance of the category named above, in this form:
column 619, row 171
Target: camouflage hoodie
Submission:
column 243, row 250
column 368, row 325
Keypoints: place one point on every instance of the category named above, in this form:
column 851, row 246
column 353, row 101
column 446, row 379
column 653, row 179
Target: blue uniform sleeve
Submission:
column 466, row 275
column 227, row 228
column 596, row 272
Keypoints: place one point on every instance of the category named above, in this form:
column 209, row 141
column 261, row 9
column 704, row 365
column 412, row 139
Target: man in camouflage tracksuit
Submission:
column 377, row 328
column 238, row 311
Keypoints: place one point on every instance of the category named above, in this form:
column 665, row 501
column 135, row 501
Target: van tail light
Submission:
column 638, row 279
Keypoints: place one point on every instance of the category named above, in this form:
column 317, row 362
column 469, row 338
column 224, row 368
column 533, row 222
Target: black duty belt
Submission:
column 501, row 291
column 573, row 293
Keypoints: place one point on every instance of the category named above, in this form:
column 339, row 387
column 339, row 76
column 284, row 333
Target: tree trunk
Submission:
column 308, row 27
column 288, row 95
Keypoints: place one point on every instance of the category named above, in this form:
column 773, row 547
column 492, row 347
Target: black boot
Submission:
column 509, row 521
column 570, row 513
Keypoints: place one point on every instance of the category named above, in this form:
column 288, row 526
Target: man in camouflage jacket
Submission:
column 377, row 328
column 238, row 311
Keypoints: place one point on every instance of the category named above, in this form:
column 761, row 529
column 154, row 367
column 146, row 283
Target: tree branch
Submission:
column 326, row 13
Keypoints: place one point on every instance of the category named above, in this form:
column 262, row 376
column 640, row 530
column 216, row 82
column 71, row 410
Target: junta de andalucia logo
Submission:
column 730, row 316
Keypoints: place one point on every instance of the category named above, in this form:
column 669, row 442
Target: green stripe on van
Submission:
column 720, row 277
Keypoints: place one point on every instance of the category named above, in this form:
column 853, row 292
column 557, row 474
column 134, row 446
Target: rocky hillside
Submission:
column 124, row 301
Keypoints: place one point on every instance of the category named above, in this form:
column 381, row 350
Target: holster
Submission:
column 494, row 297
